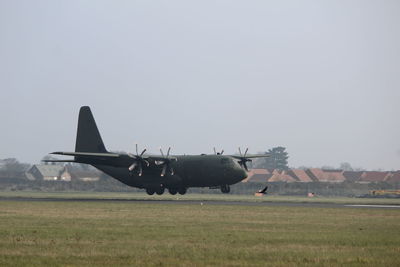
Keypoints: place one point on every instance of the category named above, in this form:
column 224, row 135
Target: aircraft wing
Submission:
column 159, row 158
column 109, row 158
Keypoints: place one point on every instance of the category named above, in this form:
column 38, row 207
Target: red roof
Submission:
column 352, row 176
column 326, row 175
column 281, row 176
column 334, row 175
column 394, row 177
column 300, row 175
column 374, row 176
column 257, row 175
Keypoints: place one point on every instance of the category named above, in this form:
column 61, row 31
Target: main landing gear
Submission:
column 225, row 189
column 160, row 190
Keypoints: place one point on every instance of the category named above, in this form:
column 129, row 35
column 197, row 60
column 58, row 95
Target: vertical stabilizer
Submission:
column 88, row 138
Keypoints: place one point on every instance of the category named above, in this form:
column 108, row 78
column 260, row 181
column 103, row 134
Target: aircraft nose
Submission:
column 241, row 173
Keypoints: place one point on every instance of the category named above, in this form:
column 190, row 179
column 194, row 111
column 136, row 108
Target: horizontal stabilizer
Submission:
column 56, row 160
column 88, row 154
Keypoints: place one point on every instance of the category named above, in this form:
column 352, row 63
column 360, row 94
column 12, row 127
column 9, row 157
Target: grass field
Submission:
column 130, row 233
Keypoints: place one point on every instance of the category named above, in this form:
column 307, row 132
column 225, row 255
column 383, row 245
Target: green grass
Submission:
column 130, row 233
column 199, row 197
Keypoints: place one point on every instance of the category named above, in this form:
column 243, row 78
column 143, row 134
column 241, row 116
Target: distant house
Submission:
column 84, row 175
column 333, row 176
column 45, row 172
column 320, row 175
column 61, row 173
column 66, row 174
column 300, row 175
column 312, row 173
column 352, row 176
column 281, row 176
column 258, row 176
column 374, row 176
column 394, row 177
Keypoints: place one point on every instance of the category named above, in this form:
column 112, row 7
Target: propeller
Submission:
column 242, row 159
column 218, row 153
column 138, row 162
column 166, row 163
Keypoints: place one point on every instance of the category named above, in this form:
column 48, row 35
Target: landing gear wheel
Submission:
column 182, row 190
column 225, row 189
column 160, row 191
column 173, row 191
column 150, row 191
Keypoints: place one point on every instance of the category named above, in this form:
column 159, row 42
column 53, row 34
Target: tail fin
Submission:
column 88, row 138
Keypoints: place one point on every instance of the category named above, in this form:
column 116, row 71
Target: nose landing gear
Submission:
column 225, row 189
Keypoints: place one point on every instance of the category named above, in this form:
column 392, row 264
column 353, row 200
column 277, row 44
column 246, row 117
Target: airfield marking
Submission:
column 374, row 206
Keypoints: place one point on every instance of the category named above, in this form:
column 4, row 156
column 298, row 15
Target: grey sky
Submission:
column 319, row 77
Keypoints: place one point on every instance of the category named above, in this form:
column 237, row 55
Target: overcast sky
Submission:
column 321, row 78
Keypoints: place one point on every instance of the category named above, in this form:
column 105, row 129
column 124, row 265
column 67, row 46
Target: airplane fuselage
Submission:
column 189, row 171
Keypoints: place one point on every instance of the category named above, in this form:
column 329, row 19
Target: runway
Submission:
column 202, row 202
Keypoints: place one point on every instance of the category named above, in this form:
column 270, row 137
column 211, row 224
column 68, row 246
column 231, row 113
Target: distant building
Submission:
column 394, row 177
column 258, row 176
column 45, row 172
column 352, row 176
column 300, row 175
column 374, row 177
column 81, row 175
column 281, row 176
column 333, row 176
column 66, row 173
column 321, row 175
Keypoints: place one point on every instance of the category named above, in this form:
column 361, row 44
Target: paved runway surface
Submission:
column 205, row 202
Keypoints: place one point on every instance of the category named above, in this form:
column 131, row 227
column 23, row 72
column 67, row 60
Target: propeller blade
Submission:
column 240, row 152
column 144, row 150
column 140, row 169
column 215, row 152
column 137, row 153
column 164, row 170
column 133, row 166
column 222, row 151
column 245, row 166
column 169, row 149
column 162, row 154
column 247, row 149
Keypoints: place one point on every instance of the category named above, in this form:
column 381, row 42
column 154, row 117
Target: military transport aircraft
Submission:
column 155, row 173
